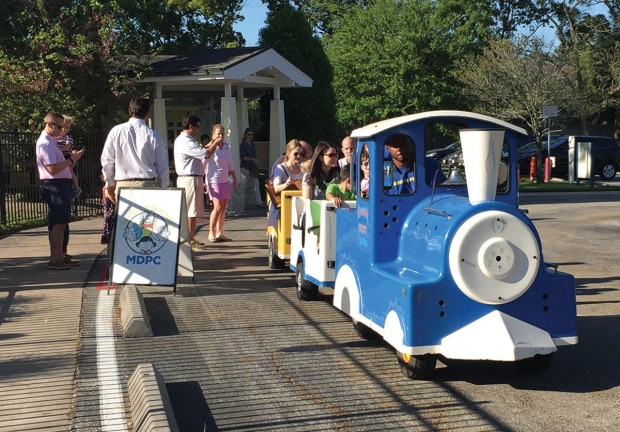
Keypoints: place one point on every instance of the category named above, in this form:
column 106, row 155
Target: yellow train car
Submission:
column 280, row 239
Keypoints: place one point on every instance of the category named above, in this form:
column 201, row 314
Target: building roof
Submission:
column 250, row 66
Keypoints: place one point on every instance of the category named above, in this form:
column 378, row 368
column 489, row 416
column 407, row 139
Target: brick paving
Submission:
column 40, row 312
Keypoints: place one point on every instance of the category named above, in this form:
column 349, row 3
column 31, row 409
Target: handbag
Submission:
column 254, row 170
column 275, row 197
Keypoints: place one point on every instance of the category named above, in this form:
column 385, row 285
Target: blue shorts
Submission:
column 57, row 195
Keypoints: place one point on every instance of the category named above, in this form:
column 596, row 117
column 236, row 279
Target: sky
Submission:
column 255, row 13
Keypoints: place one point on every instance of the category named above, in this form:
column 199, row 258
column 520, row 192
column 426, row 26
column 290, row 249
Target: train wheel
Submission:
column 275, row 262
column 418, row 367
column 306, row 290
column 365, row 332
column 537, row 364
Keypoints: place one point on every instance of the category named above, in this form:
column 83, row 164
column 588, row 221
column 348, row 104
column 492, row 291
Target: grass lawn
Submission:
column 557, row 185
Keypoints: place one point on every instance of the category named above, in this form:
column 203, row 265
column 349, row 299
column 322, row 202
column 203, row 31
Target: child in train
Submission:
column 365, row 173
column 339, row 192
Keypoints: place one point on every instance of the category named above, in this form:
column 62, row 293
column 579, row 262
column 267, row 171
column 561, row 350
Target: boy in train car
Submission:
column 339, row 192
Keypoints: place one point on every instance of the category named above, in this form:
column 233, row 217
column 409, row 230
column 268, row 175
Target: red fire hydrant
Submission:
column 533, row 168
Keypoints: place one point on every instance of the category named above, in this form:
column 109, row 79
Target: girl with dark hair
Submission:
column 324, row 169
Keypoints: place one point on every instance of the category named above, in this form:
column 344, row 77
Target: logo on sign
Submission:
column 146, row 233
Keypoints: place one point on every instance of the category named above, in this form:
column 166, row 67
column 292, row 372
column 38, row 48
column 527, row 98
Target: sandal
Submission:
column 223, row 238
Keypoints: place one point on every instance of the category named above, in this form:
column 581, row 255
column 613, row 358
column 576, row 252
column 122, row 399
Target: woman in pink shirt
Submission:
column 219, row 168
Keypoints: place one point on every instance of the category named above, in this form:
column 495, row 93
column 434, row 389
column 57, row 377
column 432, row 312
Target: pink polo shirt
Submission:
column 219, row 165
column 48, row 153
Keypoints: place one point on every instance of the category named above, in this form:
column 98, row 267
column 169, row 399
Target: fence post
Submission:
column 2, row 192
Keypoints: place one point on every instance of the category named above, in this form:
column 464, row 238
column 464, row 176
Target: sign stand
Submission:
column 151, row 244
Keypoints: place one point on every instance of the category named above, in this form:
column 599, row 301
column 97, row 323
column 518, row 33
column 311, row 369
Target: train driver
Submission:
column 400, row 172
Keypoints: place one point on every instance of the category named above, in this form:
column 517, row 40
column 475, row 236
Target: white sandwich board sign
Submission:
column 151, row 241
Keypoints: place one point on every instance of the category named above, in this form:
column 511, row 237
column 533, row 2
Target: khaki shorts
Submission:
column 147, row 183
column 194, row 194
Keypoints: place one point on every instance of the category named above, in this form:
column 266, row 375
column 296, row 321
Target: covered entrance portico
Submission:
column 215, row 85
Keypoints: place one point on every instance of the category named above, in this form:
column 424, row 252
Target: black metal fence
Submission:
column 20, row 187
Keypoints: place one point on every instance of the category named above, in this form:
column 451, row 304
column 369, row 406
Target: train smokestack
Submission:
column 482, row 151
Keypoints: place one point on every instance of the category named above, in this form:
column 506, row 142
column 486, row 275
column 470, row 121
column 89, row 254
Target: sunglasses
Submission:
column 365, row 164
column 330, row 155
column 55, row 126
column 298, row 154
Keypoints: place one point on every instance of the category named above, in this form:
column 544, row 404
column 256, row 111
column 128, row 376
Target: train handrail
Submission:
column 438, row 212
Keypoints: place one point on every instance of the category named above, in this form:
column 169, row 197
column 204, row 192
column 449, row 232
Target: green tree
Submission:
column 514, row 80
column 309, row 112
column 396, row 58
column 77, row 57
column 176, row 26
column 510, row 16
column 326, row 16
column 58, row 57
column 591, row 44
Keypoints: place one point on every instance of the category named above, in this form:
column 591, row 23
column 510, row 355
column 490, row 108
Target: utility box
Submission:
column 584, row 160
column 579, row 160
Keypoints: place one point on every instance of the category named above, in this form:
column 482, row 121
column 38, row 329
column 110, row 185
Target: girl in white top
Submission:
column 285, row 174
column 219, row 168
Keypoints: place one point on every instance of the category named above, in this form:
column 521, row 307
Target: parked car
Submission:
column 441, row 153
column 453, row 159
column 456, row 159
column 605, row 153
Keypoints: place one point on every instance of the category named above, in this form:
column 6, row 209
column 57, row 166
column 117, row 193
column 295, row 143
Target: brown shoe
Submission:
column 198, row 246
column 58, row 265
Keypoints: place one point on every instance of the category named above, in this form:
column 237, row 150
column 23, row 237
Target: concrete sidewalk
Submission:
column 41, row 323
column 40, row 315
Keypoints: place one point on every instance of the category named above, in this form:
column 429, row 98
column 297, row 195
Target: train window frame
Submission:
column 362, row 148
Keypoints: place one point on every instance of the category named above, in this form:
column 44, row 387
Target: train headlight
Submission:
column 494, row 257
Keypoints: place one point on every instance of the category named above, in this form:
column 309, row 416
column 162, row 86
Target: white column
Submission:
column 248, row 184
column 229, row 121
column 277, row 127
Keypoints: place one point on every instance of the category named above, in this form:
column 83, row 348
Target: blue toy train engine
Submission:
column 440, row 268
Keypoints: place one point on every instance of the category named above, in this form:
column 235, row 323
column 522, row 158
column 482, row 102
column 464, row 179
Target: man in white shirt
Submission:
column 189, row 156
column 134, row 155
column 348, row 147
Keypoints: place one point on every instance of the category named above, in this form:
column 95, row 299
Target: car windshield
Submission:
column 531, row 146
